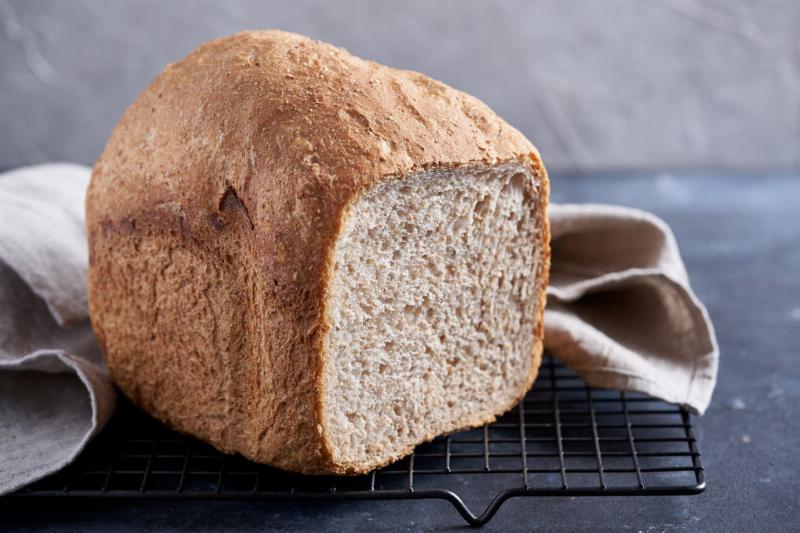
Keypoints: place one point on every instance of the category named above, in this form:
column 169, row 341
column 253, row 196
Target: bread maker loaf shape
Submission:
column 314, row 260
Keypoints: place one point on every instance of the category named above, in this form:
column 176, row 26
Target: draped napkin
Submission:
column 620, row 312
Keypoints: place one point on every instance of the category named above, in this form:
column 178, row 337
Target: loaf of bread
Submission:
column 314, row 260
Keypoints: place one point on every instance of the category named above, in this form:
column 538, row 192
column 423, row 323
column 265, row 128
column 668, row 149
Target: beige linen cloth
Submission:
column 620, row 312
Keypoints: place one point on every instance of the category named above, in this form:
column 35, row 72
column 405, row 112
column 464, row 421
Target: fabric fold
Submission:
column 620, row 309
column 55, row 393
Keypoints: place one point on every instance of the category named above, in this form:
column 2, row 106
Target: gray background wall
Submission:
column 596, row 84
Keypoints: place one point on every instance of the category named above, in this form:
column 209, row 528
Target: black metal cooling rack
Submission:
column 563, row 439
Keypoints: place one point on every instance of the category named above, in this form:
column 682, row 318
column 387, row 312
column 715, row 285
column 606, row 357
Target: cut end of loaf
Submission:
column 433, row 309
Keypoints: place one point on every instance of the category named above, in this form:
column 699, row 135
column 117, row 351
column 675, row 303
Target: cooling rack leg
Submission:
column 488, row 513
column 459, row 505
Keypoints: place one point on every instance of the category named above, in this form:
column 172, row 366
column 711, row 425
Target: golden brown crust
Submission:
column 215, row 205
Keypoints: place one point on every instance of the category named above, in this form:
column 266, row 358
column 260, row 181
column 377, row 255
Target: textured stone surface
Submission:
column 740, row 238
column 595, row 84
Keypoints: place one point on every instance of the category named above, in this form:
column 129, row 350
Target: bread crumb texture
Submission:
column 434, row 325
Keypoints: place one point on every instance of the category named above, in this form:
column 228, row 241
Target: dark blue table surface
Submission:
column 740, row 238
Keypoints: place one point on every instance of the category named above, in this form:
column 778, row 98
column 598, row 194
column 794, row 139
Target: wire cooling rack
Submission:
column 563, row 439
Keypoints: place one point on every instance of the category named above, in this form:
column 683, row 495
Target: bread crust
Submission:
column 213, row 211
